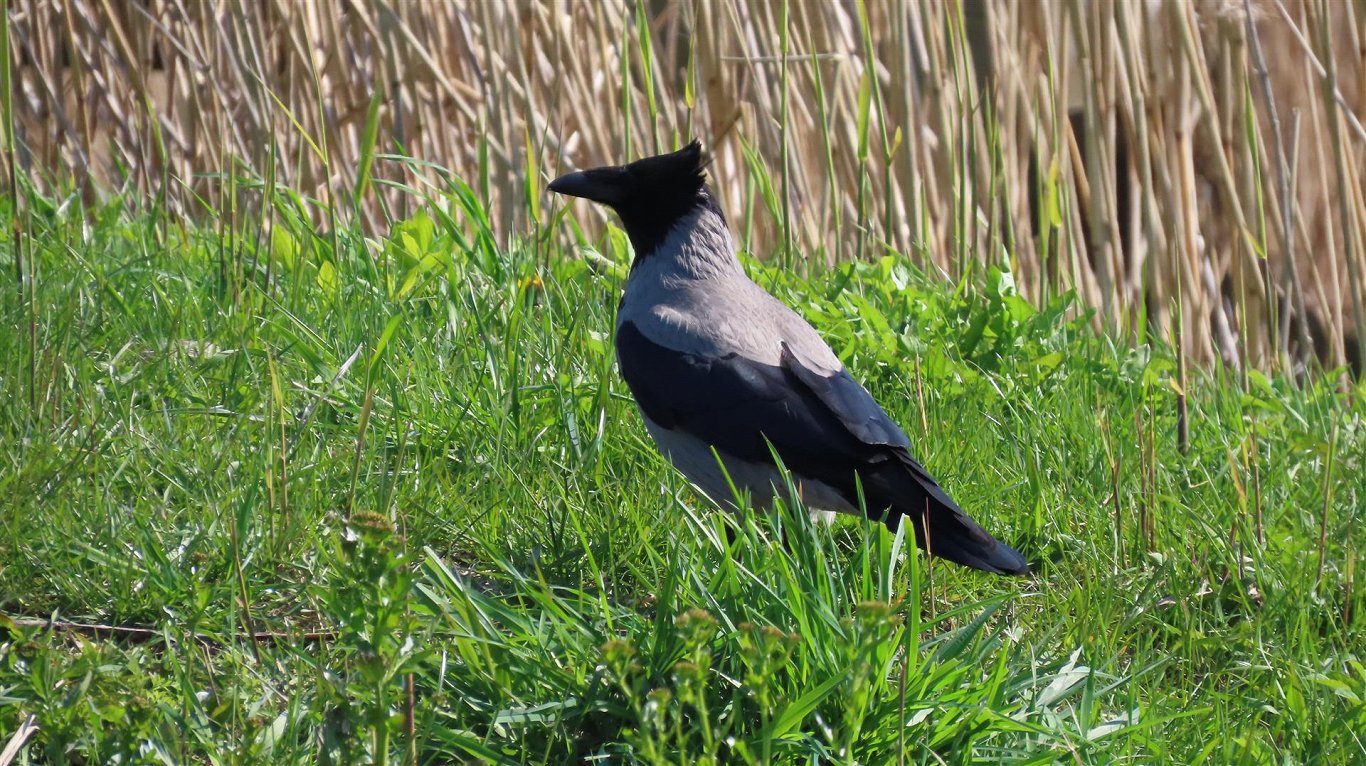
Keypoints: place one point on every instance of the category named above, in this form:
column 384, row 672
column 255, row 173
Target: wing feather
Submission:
column 741, row 406
column 824, row 427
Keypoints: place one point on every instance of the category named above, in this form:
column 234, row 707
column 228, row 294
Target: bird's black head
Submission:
column 649, row 195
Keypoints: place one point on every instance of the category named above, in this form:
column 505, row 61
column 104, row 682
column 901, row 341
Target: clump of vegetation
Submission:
column 352, row 498
column 318, row 452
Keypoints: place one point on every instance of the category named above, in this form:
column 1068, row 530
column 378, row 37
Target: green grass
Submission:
column 411, row 458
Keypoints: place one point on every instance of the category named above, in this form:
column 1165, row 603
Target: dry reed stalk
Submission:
column 1123, row 150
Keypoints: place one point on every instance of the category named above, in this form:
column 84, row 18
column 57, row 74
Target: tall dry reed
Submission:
column 1192, row 170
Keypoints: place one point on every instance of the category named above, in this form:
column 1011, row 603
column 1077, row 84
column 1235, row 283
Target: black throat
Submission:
column 649, row 218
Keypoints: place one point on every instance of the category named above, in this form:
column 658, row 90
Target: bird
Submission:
column 727, row 377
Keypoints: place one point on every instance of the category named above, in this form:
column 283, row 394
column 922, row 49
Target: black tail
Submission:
column 954, row 536
column 941, row 527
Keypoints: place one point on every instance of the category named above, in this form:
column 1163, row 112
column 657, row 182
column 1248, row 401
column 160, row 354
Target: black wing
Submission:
column 824, row 428
column 848, row 401
column 863, row 416
column 740, row 406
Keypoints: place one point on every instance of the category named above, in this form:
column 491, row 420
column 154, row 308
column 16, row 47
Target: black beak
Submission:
column 603, row 185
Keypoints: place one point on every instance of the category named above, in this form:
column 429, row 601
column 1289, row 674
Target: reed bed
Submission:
column 1191, row 170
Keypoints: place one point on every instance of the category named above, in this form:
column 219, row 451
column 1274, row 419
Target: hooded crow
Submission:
column 726, row 375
